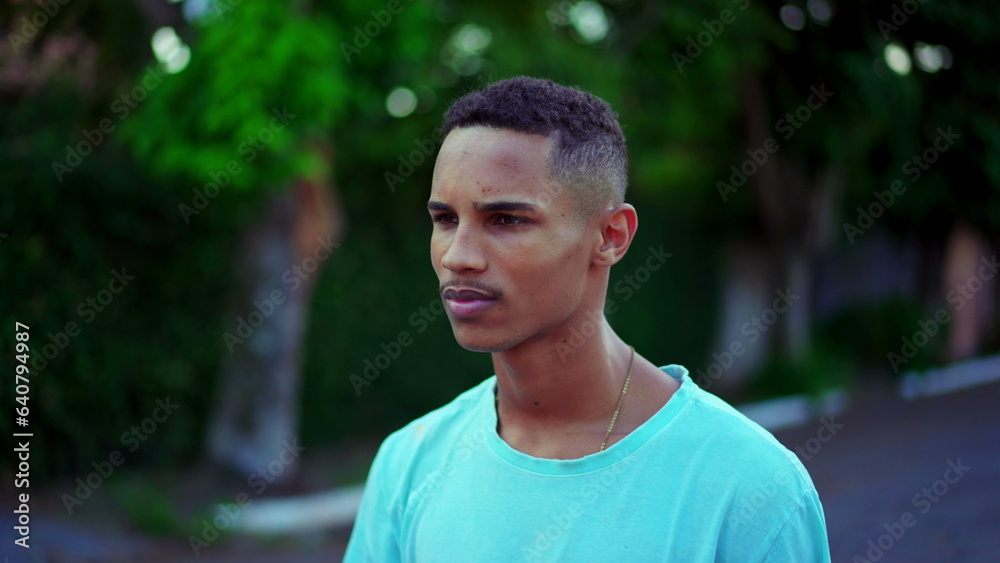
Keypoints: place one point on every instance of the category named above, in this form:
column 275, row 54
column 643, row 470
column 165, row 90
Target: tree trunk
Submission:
column 969, row 306
column 256, row 417
column 794, row 208
column 747, row 289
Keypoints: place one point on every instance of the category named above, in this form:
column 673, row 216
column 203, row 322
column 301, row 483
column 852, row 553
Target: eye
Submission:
column 444, row 218
column 510, row 220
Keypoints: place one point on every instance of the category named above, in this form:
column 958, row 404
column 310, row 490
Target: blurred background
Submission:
column 213, row 225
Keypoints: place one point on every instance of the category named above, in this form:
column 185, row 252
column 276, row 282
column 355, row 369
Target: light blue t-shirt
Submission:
column 698, row 481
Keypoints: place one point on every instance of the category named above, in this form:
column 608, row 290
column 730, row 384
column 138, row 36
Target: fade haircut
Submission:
column 588, row 156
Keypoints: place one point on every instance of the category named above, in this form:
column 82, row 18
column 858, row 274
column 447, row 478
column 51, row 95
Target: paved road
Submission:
column 886, row 472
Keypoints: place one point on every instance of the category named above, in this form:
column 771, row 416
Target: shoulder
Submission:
column 744, row 442
column 409, row 463
column 772, row 499
column 435, row 432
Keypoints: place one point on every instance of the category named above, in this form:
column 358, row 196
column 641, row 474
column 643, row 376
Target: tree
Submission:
column 246, row 123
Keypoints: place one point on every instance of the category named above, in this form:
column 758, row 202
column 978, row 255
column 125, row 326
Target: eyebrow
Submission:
column 486, row 207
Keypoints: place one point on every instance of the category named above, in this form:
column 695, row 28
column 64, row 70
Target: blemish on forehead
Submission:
column 508, row 161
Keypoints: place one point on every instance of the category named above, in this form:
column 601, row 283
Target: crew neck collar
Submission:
column 612, row 455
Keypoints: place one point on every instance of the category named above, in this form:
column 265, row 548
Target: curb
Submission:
column 324, row 510
column 955, row 377
column 795, row 410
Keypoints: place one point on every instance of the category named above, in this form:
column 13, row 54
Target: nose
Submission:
column 464, row 252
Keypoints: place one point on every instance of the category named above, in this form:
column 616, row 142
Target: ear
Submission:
column 618, row 227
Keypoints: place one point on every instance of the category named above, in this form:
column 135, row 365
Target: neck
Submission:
column 563, row 382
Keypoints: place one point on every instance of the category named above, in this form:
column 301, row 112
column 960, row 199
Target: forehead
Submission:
column 481, row 158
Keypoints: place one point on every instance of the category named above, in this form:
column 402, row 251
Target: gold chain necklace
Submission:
column 614, row 417
column 620, row 400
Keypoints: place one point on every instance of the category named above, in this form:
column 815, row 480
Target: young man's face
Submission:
column 512, row 255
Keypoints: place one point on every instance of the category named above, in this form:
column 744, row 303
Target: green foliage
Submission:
column 818, row 370
column 867, row 333
column 251, row 62
column 149, row 509
column 892, row 118
column 154, row 339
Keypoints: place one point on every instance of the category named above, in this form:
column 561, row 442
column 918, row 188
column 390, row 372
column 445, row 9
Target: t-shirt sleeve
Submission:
column 802, row 538
column 375, row 536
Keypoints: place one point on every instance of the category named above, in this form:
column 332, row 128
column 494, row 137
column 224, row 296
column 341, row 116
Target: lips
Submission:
column 465, row 303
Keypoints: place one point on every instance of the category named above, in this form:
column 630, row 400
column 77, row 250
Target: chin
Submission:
column 480, row 341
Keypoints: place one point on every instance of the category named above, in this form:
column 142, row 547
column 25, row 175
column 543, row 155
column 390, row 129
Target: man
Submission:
column 569, row 452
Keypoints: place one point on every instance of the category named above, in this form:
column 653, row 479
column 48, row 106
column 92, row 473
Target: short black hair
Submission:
column 589, row 154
